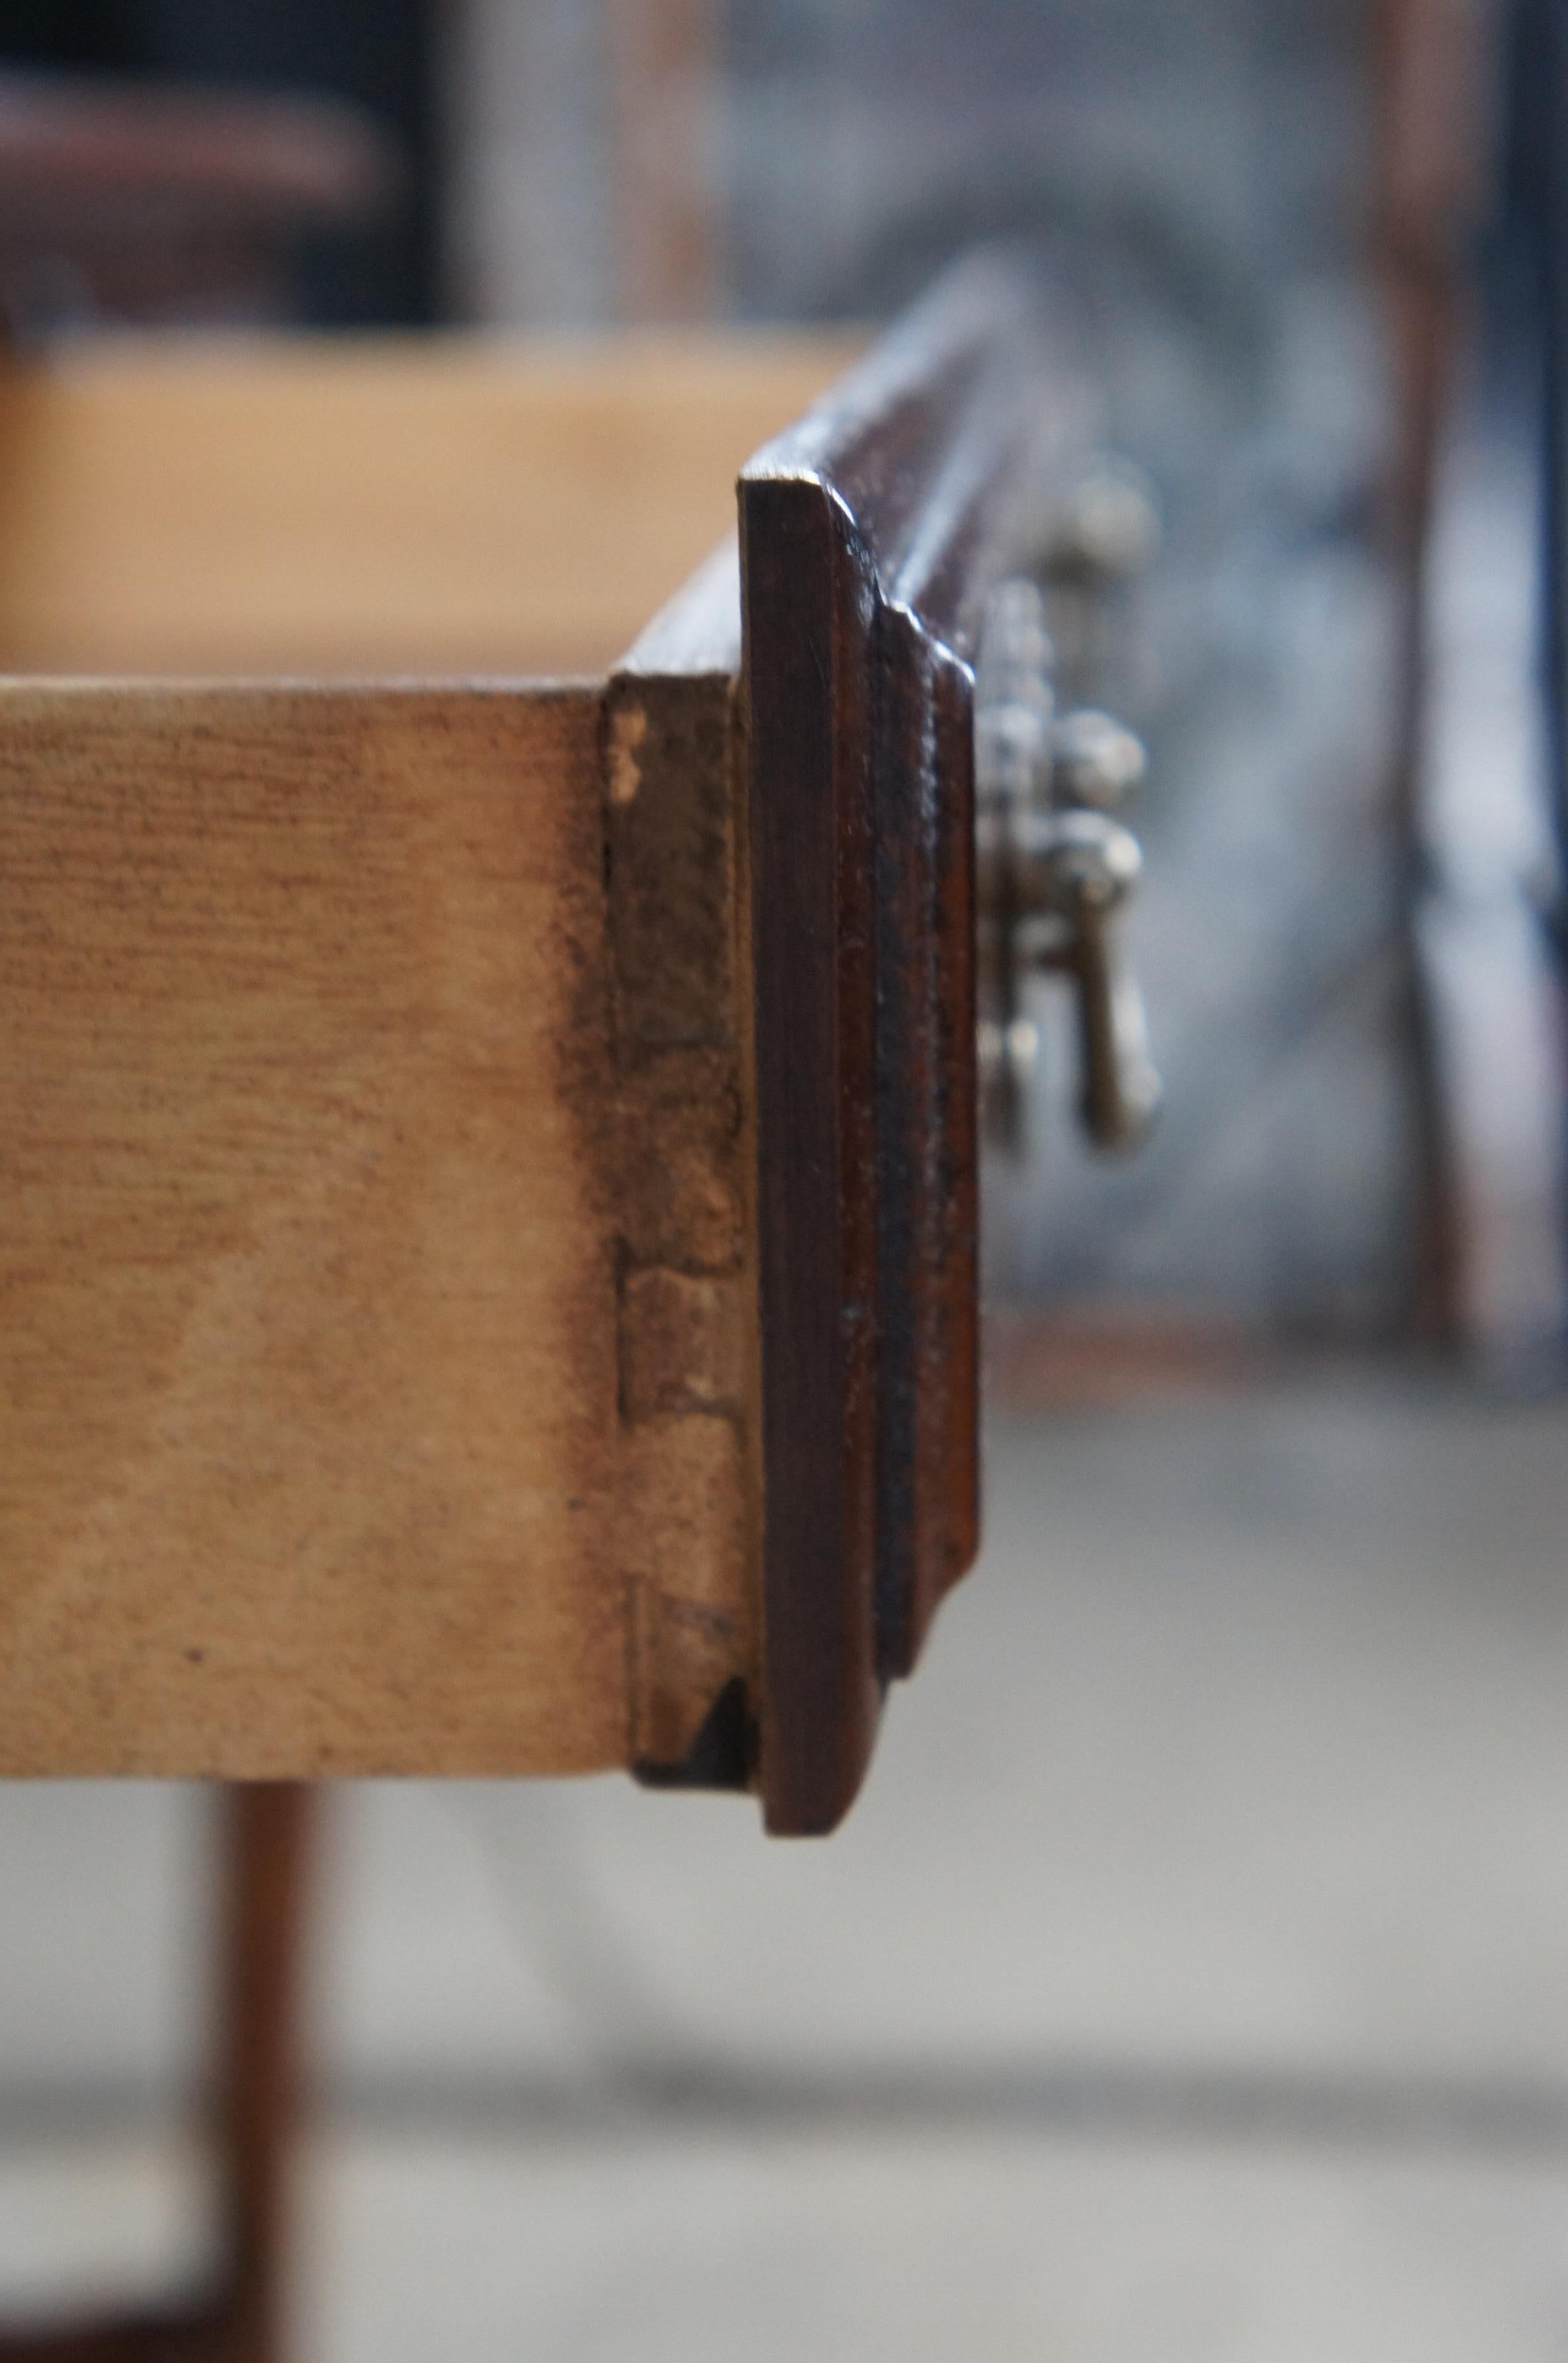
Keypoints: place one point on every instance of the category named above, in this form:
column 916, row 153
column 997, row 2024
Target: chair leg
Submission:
column 265, row 1848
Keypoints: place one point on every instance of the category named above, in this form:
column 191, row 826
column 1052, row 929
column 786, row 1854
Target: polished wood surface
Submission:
column 869, row 533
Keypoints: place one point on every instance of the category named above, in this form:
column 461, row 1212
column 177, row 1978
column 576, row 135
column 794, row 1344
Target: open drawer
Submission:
column 489, row 1161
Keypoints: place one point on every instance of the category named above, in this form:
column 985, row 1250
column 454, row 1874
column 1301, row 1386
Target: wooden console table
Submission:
column 491, row 1159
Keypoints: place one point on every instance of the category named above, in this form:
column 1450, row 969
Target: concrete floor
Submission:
column 1192, row 1981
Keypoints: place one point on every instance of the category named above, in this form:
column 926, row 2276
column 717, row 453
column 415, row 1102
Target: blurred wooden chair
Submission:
column 152, row 205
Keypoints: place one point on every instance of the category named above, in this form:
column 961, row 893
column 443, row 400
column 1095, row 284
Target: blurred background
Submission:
column 1192, row 1981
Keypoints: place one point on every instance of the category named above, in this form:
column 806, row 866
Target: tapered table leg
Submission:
column 240, row 2319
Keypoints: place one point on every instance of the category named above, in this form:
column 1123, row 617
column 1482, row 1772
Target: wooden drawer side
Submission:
column 338, row 1365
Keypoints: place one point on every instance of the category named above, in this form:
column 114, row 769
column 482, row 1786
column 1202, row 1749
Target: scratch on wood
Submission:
column 628, row 728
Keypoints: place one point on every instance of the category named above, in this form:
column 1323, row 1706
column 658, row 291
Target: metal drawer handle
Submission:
column 1053, row 871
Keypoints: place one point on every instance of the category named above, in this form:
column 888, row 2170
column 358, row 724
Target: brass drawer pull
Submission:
column 1053, row 868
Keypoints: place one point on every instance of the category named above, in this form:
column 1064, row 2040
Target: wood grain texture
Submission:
column 266, row 506
column 309, row 1361
column 869, row 534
